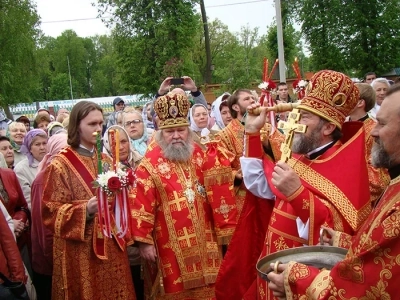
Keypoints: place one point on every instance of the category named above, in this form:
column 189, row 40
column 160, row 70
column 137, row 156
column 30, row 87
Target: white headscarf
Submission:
column 193, row 125
column 216, row 113
column 133, row 156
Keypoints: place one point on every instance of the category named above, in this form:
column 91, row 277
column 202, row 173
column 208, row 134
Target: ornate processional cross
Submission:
column 290, row 127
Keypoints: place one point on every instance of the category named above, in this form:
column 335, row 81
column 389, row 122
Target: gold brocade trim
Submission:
column 295, row 194
column 72, row 168
column 286, row 282
column 184, row 256
column 288, row 236
column 333, row 193
column 337, row 219
column 388, row 206
column 235, row 129
column 320, row 284
column 144, row 240
column 284, row 214
column 224, row 236
column 206, row 293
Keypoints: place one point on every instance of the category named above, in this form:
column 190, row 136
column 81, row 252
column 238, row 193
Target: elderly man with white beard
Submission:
column 174, row 222
column 371, row 267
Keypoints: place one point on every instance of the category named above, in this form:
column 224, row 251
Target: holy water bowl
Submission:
column 321, row 257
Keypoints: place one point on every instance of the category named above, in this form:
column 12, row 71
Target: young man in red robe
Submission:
column 86, row 264
column 372, row 267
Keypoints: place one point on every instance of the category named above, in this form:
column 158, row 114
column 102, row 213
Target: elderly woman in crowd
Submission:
column 41, row 121
column 7, row 152
column 138, row 134
column 381, row 86
column 16, row 133
column 34, row 147
column 42, row 238
column 220, row 112
column 55, row 128
column 128, row 156
column 146, row 115
column 198, row 123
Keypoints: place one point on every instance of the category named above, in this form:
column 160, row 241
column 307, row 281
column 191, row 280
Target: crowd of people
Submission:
column 207, row 190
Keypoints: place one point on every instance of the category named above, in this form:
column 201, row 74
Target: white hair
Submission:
column 380, row 80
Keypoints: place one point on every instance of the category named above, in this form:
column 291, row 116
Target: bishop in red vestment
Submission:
column 372, row 267
column 178, row 220
column 324, row 183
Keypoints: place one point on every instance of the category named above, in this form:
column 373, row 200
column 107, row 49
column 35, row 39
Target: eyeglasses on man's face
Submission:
column 136, row 121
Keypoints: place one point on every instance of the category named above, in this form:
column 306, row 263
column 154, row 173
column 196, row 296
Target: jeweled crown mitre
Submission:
column 330, row 95
column 172, row 110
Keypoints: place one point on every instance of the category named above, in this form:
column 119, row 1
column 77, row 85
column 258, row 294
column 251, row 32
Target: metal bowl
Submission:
column 321, row 257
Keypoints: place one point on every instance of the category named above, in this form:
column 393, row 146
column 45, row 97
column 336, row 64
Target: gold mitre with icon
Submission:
column 330, row 95
column 172, row 110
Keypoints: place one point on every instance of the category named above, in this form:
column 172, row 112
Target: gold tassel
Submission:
column 224, row 240
column 193, row 283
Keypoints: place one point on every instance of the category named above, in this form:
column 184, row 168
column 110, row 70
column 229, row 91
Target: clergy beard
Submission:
column 303, row 144
column 178, row 150
column 380, row 158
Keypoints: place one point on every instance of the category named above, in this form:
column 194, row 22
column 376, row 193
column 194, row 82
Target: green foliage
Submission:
column 18, row 36
column 148, row 34
column 351, row 36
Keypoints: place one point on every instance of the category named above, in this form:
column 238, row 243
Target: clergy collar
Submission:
column 82, row 150
column 320, row 150
column 394, row 171
column 363, row 118
column 83, row 147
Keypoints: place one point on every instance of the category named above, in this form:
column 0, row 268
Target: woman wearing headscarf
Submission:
column 34, row 147
column 129, row 158
column 220, row 112
column 146, row 115
column 138, row 134
column 16, row 132
column 198, row 124
column 42, row 237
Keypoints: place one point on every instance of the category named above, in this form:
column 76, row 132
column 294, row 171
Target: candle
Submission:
column 112, row 146
column 265, row 70
column 273, row 69
column 116, row 148
column 98, row 146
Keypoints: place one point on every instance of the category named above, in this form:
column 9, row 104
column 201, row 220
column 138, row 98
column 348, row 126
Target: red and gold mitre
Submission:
column 330, row 95
column 172, row 110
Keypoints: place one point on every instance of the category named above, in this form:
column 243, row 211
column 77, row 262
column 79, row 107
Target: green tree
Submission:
column 350, row 36
column 147, row 35
column 18, row 36
column 104, row 79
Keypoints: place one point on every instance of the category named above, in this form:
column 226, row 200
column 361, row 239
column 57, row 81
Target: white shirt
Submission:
column 255, row 181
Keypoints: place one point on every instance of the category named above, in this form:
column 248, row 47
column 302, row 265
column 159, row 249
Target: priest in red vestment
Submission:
column 86, row 264
column 372, row 267
column 324, row 183
column 182, row 208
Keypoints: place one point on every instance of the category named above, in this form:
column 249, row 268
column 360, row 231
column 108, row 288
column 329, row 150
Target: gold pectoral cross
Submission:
column 289, row 128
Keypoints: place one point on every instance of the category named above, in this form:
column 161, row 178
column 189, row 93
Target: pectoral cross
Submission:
column 290, row 127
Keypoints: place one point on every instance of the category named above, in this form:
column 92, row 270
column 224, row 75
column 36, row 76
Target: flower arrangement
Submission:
column 268, row 85
column 113, row 181
column 299, row 85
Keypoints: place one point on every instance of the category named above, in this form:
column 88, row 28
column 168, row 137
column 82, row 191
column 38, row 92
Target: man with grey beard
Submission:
column 323, row 183
column 174, row 222
column 371, row 268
